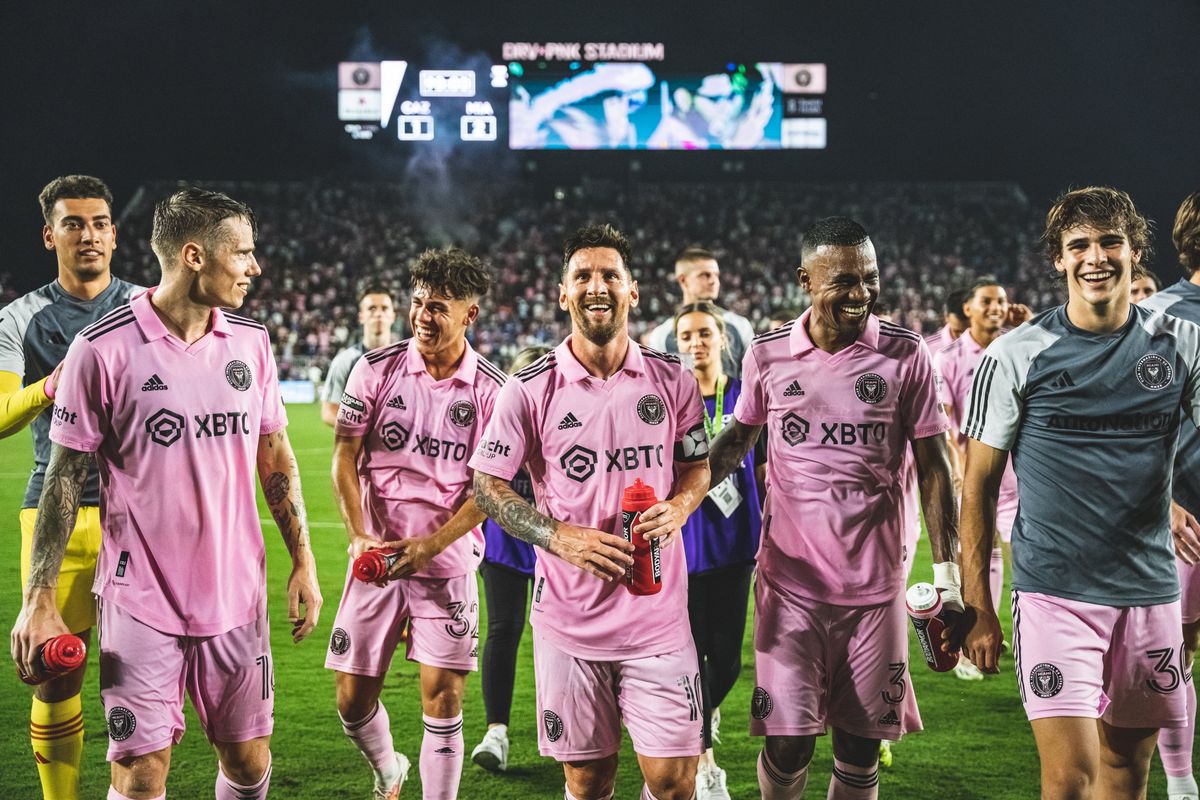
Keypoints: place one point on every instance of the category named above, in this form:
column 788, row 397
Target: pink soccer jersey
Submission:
column 417, row 436
column 583, row 440
column 955, row 365
column 175, row 430
column 838, row 427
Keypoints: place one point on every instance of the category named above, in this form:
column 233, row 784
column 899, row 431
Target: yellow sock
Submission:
column 56, row 730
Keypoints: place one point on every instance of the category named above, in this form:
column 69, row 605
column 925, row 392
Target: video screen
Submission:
column 640, row 106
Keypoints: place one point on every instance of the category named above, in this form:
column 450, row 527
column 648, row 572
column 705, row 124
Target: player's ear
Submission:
column 1137, row 256
column 472, row 313
column 804, row 278
column 48, row 237
column 633, row 293
column 562, row 297
column 192, row 256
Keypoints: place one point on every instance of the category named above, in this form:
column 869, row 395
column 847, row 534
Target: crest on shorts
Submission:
column 339, row 642
column 238, row 375
column 761, row 705
column 1046, row 680
column 462, row 413
column 121, row 723
column 1153, row 372
column 870, row 388
column 554, row 725
column 651, row 409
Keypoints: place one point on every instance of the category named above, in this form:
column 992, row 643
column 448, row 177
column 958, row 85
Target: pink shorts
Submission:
column 582, row 703
column 1189, row 586
column 820, row 665
column 1077, row 659
column 145, row 672
column 442, row 615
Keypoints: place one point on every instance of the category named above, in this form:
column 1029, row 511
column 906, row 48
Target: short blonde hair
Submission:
column 686, row 261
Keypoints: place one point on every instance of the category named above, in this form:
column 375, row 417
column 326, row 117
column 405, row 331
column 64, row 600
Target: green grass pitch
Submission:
column 977, row 743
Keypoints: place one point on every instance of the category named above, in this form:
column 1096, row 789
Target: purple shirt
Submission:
column 583, row 440
column 175, row 428
column 506, row 551
column 838, row 429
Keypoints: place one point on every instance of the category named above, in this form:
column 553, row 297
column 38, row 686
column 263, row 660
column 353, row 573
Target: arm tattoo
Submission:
column 282, row 492
column 276, row 488
column 510, row 511
column 66, row 476
column 730, row 448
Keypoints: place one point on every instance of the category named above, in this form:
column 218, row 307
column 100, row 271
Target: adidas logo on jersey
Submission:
column 1063, row 380
column 397, row 402
column 793, row 390
column 155, row 384
column 890, row 718
column 569, row 421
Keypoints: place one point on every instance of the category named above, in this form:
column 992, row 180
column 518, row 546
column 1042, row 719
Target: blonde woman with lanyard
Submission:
column 720, row 539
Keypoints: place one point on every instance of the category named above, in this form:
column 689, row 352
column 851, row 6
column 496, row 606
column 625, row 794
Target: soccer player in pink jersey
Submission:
column 179, row 402
column 410, row 417
column 987, row 308
column 842, row 395
column 955, row 321
column 587, row 420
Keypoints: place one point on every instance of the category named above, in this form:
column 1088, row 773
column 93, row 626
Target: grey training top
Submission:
column 738, row 333
column 1183, row 300
column 1091, row 421
column 339, row 372
column 35, row 332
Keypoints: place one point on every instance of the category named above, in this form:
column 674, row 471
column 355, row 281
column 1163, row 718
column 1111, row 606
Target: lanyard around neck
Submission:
column 712, row 425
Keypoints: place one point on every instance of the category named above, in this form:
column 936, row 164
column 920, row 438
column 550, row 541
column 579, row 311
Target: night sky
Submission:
column 1080, row 93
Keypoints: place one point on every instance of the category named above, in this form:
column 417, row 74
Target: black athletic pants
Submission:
column 506, row 592
column 717, row 610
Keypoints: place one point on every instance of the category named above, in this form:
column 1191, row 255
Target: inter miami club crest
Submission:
column 1153, row 372
column 650, row 408
column 339, row 642
column 870, row 388
column 1046, row 680
column 121, row 723
column 761, row 705
column 554, row 725
column 462, row 413
column 238, row 375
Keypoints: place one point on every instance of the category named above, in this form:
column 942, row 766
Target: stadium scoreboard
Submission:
column 587, row 96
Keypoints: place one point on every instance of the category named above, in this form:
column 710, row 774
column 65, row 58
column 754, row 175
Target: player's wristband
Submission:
column 949, row 585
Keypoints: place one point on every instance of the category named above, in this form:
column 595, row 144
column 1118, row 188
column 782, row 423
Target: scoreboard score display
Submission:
column 550, row 97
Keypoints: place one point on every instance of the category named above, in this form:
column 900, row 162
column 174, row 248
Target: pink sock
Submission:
column 853, row 783
column 442, row 757
column 228, row 790
column 113, row 794
column 1175, row 744
column 996, row 574
column 373, row 738
column 775, row 784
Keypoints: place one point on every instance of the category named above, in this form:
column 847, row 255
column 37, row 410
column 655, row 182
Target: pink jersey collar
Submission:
column 466, row 368
column 570, row 368
column 800, row 343
column 153, row 327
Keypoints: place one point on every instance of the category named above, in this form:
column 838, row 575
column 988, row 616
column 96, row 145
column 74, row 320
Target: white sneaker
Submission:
column 964, row 670
column 715, row 726
column 391, row 791
column 710, row 783
column 492, row 752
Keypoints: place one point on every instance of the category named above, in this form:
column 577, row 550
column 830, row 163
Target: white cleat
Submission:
column 492, row 752
column 385, row 790
column 964, row 670
column 710, row 783
column 714, row 727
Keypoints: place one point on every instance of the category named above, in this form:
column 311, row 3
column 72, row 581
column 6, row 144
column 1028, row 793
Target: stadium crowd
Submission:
column 321, row 241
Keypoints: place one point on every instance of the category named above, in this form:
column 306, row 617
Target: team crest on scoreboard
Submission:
column 1046, row 680
column 462, row 413
column 121, row 723
column 761, row 704
column 1154, row 372
column 339, row 642
column 651, row 409
column 554, row 725
column 238, row 375
column 870, row 388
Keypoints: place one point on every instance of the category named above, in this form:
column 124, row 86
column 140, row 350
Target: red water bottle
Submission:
column 645, row 576
column 56, row 656
column 925, row 610
column 374, row 564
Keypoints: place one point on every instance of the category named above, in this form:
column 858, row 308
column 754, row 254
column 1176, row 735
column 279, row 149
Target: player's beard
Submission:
column 599, row 333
